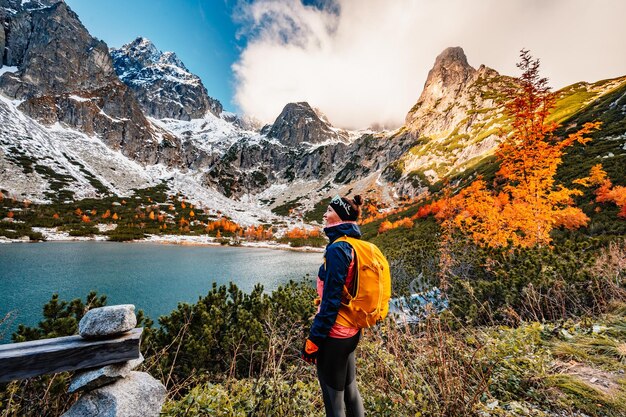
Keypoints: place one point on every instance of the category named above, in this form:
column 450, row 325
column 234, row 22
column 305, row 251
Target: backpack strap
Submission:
column 346, row 292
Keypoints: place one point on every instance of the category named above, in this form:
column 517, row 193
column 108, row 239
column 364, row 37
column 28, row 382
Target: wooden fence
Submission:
column 29, row 359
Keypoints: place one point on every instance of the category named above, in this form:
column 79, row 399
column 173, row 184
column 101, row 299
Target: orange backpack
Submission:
column 370, row 302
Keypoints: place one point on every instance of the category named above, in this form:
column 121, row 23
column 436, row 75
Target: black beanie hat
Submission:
column 346, row 209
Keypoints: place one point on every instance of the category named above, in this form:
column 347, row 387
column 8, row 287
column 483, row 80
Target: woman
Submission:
column 331, row 345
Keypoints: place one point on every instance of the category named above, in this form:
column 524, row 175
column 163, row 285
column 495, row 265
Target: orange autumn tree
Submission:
column 606, row 192
column 529, row 203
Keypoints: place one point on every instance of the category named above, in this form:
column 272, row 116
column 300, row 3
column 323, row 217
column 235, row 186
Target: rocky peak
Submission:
column 52, row 37
column 299, row 123
column 163, row 85
column 448, row 76
column 456, row 118
column 446, row 84
column 15, row 6
column 66, row 75
column 140, row 50
column 451, row 57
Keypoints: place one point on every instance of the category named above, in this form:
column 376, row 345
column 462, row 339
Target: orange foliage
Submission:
column 123, row 202
column 223, row 224
column 115, row 217
column 10, row 215
column 183, row 205
column 106, row 214
column 94, row 212
column 55, row 216
column 375, row 210
column 606, row 192
column 191, row 213
column 571, row 218
column 85, row 219
column 387, row 225
column 172, row 208
column 1, row 196
column 301, row 233
column 151, row 216
column 218, row 234
column 428, row 209
column 160, row 218
column 257, row 233
column 78, row 212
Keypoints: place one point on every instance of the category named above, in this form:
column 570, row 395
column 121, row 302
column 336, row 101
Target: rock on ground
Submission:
column 137, row 395
column 96, row 378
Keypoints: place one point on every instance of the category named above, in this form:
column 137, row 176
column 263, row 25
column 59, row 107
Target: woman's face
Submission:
column 331, row 217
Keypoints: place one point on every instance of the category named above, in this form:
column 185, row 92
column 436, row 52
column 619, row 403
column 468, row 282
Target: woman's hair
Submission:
column 356, row 203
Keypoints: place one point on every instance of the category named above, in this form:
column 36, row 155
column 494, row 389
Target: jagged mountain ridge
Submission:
column 162, row 84
column 458, row 123
column 83, row 91
column 301, row 157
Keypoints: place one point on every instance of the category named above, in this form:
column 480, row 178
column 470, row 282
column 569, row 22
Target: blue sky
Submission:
column 200, row 32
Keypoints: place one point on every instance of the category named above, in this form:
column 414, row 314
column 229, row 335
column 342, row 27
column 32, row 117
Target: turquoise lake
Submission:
column 153, row 277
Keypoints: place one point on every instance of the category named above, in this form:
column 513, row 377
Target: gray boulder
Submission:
column 107, row 321
column 137, row 395
column 96, row 378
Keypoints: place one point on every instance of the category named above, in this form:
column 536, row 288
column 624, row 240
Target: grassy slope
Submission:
column 572, row 109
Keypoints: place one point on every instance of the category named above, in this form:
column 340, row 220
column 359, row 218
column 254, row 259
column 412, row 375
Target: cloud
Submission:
column 364, row 62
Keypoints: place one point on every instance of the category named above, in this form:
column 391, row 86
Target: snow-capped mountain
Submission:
column 51, row 163
column 163, row 85
column 83, row 97
column 81, row 120
column 65, row 75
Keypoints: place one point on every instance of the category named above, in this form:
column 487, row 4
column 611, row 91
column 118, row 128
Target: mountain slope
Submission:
column 161, row 124
column 161, row 82
column 83, row 90
column 458, row 120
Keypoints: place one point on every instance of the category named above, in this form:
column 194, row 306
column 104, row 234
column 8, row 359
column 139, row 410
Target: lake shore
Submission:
column 52, row 235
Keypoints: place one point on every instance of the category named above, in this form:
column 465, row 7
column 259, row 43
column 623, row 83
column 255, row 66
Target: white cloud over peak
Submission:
column 364, row 62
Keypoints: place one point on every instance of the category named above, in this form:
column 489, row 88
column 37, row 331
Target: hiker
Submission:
column 331, row 345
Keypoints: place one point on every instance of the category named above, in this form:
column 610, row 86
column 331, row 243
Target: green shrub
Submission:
column 228, row 331
column 123, row 234
column 247, row 397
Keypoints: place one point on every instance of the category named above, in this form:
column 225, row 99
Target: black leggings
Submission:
column 337, row 375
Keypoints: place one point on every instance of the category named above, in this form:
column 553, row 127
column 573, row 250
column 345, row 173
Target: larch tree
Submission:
column 605, row 191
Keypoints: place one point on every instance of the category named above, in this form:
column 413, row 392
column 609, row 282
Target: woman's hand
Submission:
column 309, row 352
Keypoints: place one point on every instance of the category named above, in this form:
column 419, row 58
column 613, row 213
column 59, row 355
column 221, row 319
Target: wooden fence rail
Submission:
column 28, row 359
